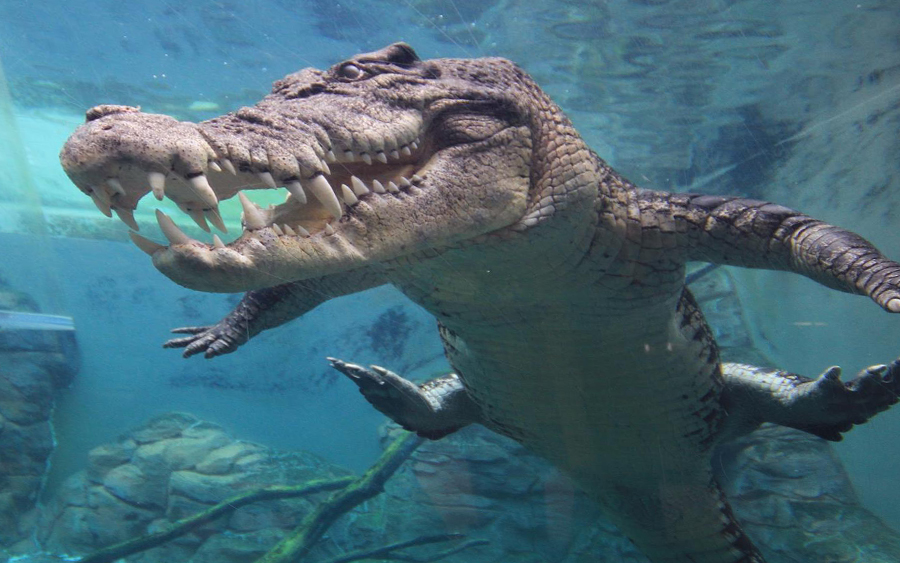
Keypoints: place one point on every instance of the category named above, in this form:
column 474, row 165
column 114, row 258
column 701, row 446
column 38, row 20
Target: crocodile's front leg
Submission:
column 824, row 406
column 267, row 308
column 757, row 234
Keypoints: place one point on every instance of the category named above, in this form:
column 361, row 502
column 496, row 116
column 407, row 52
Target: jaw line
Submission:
column 256, row 260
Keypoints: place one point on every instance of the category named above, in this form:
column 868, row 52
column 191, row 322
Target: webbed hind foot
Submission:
column 432, row 410
column 824, row 406
column 837, row 406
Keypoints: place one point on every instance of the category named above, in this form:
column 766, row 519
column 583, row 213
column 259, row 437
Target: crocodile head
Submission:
column 383, row 156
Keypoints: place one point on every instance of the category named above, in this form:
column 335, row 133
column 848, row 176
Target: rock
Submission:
column 222, row 460
column 26, row 393
column 108, row 456
column 130, row 484
column 793, row 497
column 181, row 452
column 25, row 449
column 182, row 507
column 113, row 520
column 71, row 531
column 209, row 489
column 170, row 468
column 164, row 426
column 237, row 548
column 34, row 365
column 257, row 517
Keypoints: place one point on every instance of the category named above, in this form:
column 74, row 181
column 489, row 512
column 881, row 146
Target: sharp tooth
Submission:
column 405, row 182
column 365, row 157
column 377, row 187
column 277, row 229
column 171, row 230
column 204, row 191
column 329, row 156
column 145, row 244
column 380, row 156
column 296, row 189
column 329, row 230
column 301, row 231
column 325, row 169
column 127, row 217
column 229, row 166
column 348, row 195
column 322, row 191
column 395, row 155
column 101, row 205
column 289, row 231
column 414, row 145
column 217, row 242
column 416, row 178
column 267, row 179
column 349, row 156
column 359, row 188
column 392, row 187
column 157, row 182
column 101, row 194
column 216, row 219
column 253, row 217
column 116, row 185
column 214, row 166
column 197, row 216
column 404, row 150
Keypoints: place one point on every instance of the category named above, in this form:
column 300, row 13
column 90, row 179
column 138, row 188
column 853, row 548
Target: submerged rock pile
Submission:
column 172, row 467
column 794, row 498
column 34, row 365
column 787, row 487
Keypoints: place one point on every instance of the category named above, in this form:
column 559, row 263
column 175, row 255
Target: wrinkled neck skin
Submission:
column 387, row 159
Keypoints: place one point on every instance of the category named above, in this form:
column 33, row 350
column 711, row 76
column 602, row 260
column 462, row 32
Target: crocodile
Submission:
column 558, row 285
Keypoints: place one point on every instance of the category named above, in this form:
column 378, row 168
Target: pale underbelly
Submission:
column 615, row 408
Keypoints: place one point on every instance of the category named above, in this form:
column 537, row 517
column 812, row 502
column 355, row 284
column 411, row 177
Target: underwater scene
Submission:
column 464, row 281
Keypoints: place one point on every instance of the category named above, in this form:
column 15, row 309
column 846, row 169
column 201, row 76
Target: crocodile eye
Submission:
column 350, row 71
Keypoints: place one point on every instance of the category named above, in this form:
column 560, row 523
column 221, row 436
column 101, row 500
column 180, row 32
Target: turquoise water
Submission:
column 793, row 102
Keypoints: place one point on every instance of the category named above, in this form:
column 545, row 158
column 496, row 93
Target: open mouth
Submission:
column 344, row 179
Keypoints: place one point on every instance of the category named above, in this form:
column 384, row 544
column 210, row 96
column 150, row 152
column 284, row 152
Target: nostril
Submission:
column 97, row 112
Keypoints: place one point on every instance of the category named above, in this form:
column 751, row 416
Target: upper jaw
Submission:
column 120, row 154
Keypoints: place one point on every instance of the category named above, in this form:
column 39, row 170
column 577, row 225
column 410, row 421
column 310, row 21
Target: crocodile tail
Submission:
column 683, row 524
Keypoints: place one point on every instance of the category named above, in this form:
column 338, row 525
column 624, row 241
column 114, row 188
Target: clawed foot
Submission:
column 433, row 410
column 835, row 407
column 394, row 396
column 213, row 340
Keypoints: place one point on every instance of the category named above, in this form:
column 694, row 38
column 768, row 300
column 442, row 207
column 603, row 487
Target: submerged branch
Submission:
column 304, row 537
column 387, row 551
column 186, row 525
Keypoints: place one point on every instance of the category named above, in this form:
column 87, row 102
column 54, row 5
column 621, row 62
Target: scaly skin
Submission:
column 557, row 284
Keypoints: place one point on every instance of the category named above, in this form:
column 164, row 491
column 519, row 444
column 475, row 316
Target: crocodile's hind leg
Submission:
column 824, row 406
column 432, row 410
